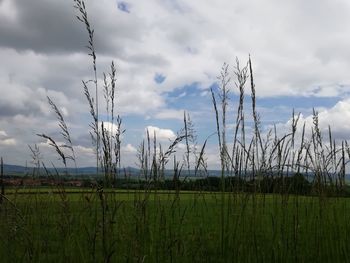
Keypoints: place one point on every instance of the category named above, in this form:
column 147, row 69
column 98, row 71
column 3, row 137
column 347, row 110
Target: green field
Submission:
column 169, row 227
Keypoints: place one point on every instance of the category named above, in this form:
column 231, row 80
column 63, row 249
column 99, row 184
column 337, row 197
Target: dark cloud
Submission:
column 8, row 110
column 47, row 26
column 42, row 26
column 25, row 107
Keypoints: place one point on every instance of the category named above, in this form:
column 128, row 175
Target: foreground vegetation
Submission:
column 278, row 197
column 173, row 227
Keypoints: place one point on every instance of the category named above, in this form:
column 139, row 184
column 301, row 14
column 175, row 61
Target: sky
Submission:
column 168, row 54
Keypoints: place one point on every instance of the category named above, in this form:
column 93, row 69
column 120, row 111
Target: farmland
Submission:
column 165, row 226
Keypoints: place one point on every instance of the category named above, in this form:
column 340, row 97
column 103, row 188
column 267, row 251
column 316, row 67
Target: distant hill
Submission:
column 91, row 172
column 22, row 170
column 14, row 169
column 87, row 171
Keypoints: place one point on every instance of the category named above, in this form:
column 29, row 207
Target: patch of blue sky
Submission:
column 197, row 101
column 134, row 126
column 285, row 101
column 189, row 89
column 214, row 86
column 159, row 78
column 188, row 97
column 123, row 6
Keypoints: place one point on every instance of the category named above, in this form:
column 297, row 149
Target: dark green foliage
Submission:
column 296, row 184
column 2, row 185
column 165, row 227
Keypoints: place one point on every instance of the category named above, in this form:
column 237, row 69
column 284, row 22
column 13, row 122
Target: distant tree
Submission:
column 298, row 184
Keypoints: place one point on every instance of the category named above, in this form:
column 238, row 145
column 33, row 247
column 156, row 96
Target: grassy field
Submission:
column 170, row 227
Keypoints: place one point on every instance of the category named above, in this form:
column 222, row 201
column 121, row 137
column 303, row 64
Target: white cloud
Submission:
column 7, row 10
column 182, row 146
column 8, row 142
column 169, row 114
column 112, row 128
column 336, row 117
column 3, row 134
column 86, row 151
column 5, row 140
column 129, row 149
column 161, row 134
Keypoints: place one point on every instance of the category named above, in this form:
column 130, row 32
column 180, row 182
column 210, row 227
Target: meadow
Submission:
column 140, row 226
column 259, row 215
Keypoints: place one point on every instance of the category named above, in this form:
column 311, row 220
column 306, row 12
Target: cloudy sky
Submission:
column 168, row 54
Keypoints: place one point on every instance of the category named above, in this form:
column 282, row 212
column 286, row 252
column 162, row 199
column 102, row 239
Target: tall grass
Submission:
column 238, row 223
